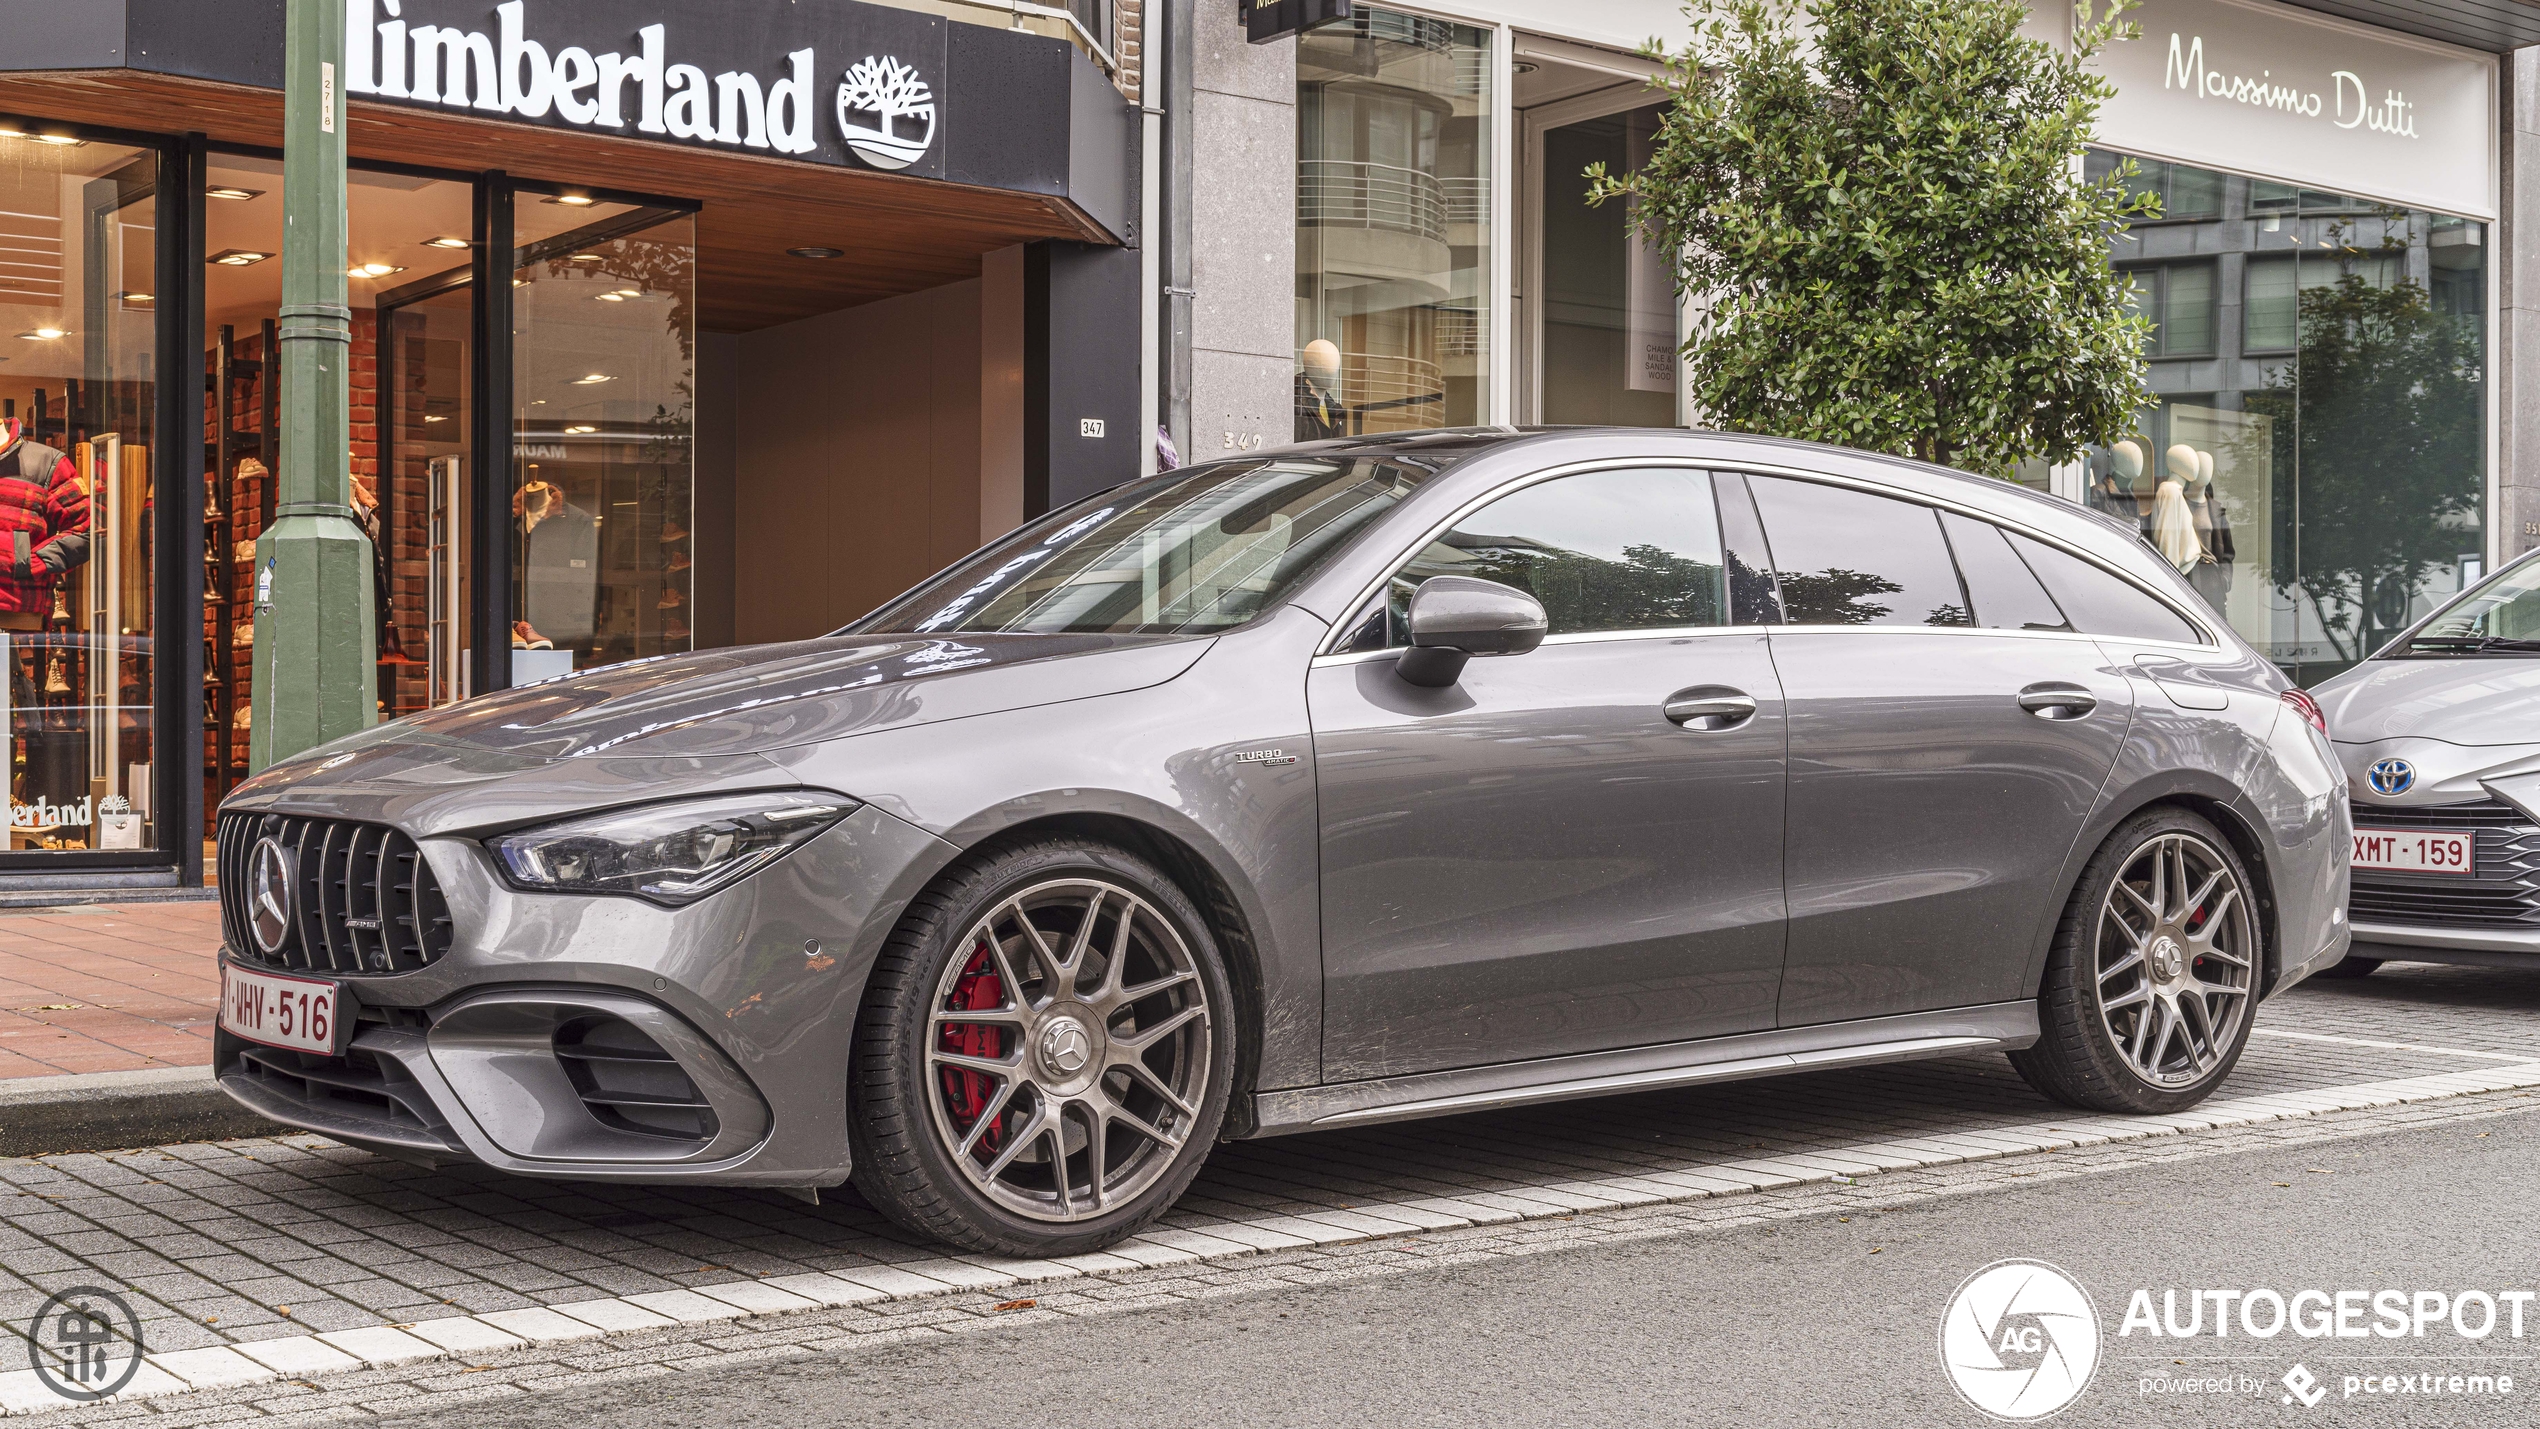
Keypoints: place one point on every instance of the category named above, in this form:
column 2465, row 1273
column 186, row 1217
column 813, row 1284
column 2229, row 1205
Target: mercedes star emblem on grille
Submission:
column 2391, row 776
column 269, row 895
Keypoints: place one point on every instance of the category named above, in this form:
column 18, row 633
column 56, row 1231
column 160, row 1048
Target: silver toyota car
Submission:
column 2440, row 735
column 1358, row 781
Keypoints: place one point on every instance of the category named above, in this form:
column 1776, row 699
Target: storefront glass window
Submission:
column 1393, row 225
column 78, row 228
column 1608, row 298
column 604, row 385
column 2314, row 463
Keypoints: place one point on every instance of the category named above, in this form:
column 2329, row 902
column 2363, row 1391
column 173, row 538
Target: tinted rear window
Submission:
column 1847, row 557
column 2099, row 603
column 2005, row 592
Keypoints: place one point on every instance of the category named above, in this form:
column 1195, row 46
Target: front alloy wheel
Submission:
column 1044, row 1054
column 1070, row 1050
column 2153, row 976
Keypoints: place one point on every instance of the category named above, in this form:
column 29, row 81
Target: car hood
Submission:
column 693, row 722
column 2470, row 701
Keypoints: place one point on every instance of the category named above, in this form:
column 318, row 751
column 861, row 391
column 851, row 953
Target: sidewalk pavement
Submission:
column 107, row 987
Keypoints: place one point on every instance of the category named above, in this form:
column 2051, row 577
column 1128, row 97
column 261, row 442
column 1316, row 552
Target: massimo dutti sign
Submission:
column 855, row 85
column 2270, row 90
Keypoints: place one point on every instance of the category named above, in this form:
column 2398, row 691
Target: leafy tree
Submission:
column 2380, row 426
column 1882, row 204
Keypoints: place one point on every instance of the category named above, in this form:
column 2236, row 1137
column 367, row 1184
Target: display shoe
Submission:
column 671, row 531
column 54, row 683
column 525, row 638
column 211, row 502
column 242, row 635
column 671, row 599
column 673, row 628
column 679, row 561
column 61, row 605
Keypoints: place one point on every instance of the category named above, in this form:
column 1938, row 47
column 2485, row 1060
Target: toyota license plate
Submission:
column 294, row 1012
column 2414, row 851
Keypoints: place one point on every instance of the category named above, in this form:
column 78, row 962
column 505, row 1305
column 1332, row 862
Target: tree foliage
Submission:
column 2380, row 425
column 1882, row 206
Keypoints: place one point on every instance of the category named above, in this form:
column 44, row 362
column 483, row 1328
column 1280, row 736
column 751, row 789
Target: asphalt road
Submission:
column 1804, row 1322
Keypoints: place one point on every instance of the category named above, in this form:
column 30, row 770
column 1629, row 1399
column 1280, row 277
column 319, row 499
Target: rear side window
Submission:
column 2099, row 603
column 2004, row 591
column 1846, row 557
column 1605, row 551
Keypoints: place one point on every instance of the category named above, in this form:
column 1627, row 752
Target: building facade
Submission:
column 685, row 326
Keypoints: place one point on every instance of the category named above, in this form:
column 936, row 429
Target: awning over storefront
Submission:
column 911, row 143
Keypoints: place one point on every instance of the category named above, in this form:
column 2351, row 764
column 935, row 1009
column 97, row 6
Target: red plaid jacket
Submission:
column 43, row 520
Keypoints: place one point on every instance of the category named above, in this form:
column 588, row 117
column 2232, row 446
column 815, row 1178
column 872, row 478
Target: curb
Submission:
column 108, row 1111
column 380, row 1346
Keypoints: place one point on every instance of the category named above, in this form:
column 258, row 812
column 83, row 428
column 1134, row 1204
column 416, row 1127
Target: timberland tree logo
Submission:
column 899, row 105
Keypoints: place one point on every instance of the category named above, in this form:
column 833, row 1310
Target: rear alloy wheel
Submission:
column 2152, row 981
column 1048, row 1078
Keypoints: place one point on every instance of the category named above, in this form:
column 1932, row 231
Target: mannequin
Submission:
column 2173, row 524
column 2213, row 576
column 2116, row 484
column 560, row 551
column 1319, row 411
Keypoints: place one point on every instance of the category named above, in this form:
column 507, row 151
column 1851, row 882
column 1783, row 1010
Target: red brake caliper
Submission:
column 978, row 989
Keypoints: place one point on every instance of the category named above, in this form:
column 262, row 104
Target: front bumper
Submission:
column 2466, row 947
column 751, row 994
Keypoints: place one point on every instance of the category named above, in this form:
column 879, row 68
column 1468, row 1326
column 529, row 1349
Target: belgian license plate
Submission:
column 294, row 1012
column 2414, row 851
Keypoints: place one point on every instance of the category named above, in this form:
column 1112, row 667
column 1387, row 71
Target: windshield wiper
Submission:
column 2471, row 644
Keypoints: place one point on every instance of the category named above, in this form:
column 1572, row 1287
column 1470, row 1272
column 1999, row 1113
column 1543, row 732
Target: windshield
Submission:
column 1189, row 552
column 2498, row 616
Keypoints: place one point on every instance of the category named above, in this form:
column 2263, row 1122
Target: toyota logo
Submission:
column 2391, row 776
column 269, row 895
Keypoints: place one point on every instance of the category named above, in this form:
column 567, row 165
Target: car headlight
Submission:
column 668, row 853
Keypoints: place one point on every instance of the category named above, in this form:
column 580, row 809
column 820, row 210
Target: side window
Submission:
column 1603, row 551
column 2004, row 591
column 2099, row 603
column 1848, row 557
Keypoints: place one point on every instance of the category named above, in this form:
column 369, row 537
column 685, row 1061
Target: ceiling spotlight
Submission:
column 588, row 258
column 630, row 292
column 372, row 270
column 817, row 252
column 230, row 192
column 45, row 334
column 445, row 243
column 608, row 297
column 573, row 200
column 65, row 140
column 237, row 257
column 580, row 431
column 593, row 379
column 11, row 131
column 435, row 419
column 135, row 299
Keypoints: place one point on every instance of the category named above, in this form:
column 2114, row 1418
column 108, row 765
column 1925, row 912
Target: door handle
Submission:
column 2058, row 701
column 1710, row 710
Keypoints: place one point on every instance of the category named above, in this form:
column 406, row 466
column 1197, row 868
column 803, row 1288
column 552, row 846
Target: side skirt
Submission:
column 1995, row 1027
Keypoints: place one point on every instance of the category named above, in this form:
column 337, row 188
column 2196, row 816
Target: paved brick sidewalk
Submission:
column 107, row 987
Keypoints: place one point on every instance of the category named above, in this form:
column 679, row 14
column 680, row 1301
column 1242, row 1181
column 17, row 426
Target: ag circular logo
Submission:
column 2020, row 1340
column 85, row 1343
column 2391, row 776
column 269, row 895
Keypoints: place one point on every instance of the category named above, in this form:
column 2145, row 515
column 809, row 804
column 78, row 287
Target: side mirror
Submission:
column 1454, row 618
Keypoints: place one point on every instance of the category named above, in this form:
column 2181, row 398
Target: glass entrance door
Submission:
column 422, row 499
column 1601, row 325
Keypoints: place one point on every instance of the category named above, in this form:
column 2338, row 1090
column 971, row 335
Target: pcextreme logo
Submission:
column 2020, row 1340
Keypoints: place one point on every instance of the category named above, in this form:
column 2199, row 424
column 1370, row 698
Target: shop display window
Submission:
column 2315, row 463
column 78, row 343
column 1393, row 225
column 604, row 387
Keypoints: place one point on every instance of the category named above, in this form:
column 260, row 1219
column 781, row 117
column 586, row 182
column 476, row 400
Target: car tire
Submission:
column 2350, row 966
column 1080, row 959
column 2147, row 997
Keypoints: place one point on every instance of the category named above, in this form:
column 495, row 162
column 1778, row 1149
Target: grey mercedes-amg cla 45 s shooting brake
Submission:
column 1358, row 781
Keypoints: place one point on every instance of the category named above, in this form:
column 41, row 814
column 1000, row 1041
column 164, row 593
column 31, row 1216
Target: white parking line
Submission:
column 2394, row 1046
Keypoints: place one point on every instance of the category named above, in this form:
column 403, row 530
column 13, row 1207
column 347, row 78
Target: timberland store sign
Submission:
column 856, row 85
column 2268, row 90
